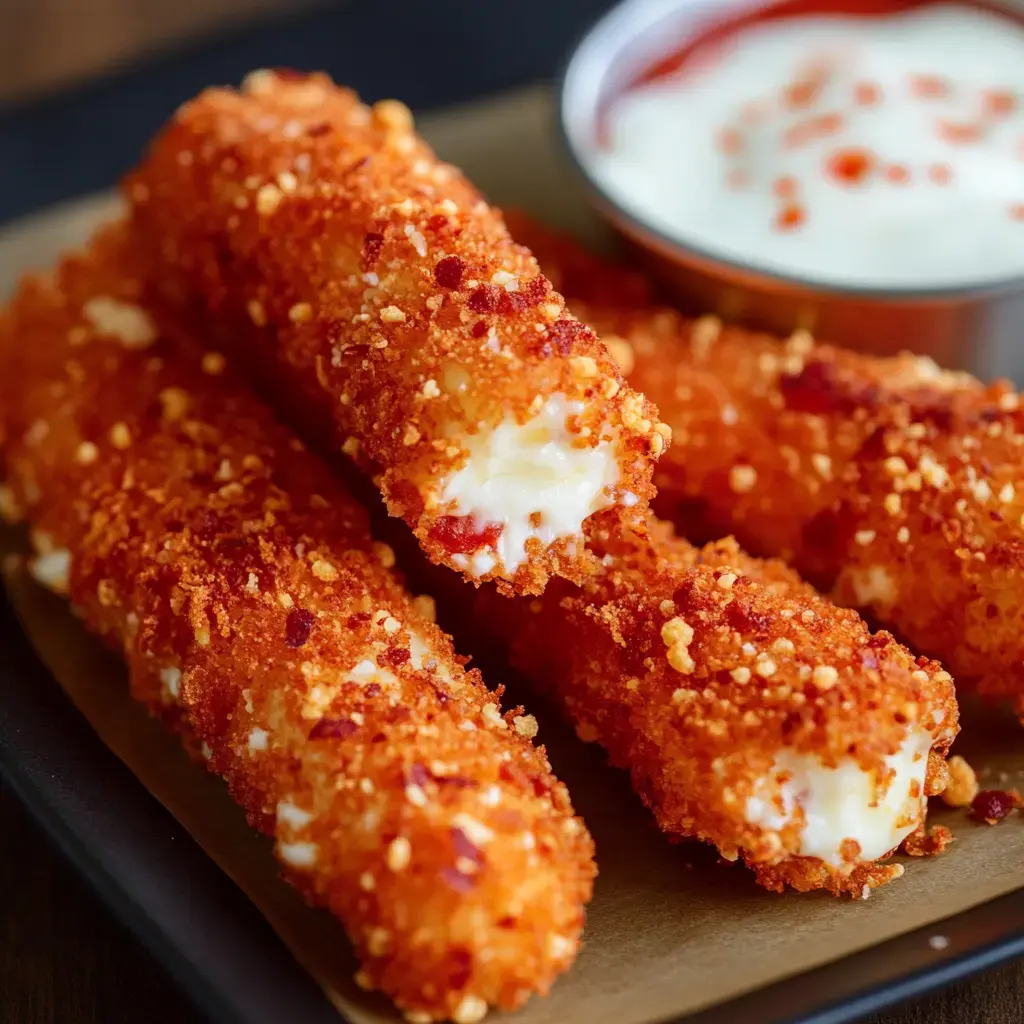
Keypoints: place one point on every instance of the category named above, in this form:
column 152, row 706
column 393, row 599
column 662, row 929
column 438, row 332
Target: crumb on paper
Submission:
column 963, row 783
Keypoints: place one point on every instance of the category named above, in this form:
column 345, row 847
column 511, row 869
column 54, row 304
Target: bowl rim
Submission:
column 651, row 235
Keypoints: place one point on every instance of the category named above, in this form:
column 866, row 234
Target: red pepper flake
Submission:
column 850, row 166
column 536, row 290
column 992, row 805
column 448, row 272
column 786, row 187
column 959, row 133
column 737, row 178
column 566, row 334
column 372, row 245
column 314, row 131
column 484, row 299
column 818, row 389
column 394, row 656
column 744, row 617
column 459, row 535
column 479, row 329
column 1000, row 102
column 298, row 626
column 812, row 128
column 867, row 94
column 333, row 729
column 437, row 222
column 462, row 968
column 510, row 303
column 898, row 174
column 730, row 141
column 357, row 620
column 929, row 87
column 941, row 174
column 790, row 217
column 1017, row 211
column 531, row 294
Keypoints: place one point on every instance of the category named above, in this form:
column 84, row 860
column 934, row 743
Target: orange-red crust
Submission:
column 241, row 584
column 891, row 483
column 696, row 740
column 379, row 294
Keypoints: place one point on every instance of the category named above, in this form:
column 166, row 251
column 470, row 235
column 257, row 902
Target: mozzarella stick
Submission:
column 750, row 712
column 372, row 287
column 893, row 484
column 252, row 607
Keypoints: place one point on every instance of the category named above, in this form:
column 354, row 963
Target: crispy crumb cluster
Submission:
column 702, row 670
column 894, row 484
column 963, row 783
column 384, row 297
column 254, row 612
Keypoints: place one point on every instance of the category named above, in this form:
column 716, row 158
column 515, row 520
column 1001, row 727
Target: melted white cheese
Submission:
column 519, row 471
column 845, row 802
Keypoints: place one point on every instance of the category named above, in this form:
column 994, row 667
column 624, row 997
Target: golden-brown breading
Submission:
column 893, row 484
column 380, row 294
column 749, row 711
column 241, row 584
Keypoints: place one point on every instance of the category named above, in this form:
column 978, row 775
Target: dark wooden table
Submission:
column 64, row 960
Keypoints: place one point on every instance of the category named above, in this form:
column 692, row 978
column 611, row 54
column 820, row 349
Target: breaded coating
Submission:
column 893, row 484
column 252, row 607
column 750, row 712
column 376, row 293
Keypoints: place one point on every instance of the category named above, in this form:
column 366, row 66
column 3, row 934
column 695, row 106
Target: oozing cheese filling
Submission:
column 529, row 479
column 845, row 802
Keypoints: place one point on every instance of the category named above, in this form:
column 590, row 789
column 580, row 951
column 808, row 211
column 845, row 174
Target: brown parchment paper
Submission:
column 669, row 931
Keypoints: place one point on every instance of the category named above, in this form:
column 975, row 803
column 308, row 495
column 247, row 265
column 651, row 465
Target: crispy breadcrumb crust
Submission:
column 890, row 482
column 372, row 282
column 241, row 584
column 766, row 664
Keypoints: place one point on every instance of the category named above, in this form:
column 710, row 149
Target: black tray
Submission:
column 129, row 847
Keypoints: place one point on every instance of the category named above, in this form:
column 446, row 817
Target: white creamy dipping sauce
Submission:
column 883, row 151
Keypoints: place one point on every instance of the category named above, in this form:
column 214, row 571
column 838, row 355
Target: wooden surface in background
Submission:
column 45, row 44
column 62, row 957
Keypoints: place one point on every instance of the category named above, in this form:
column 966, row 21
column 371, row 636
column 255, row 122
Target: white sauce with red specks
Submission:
column 924, row 110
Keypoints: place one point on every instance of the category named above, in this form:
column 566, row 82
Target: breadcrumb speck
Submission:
column 963, row 784
column 525, row 725
column 399, row 854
